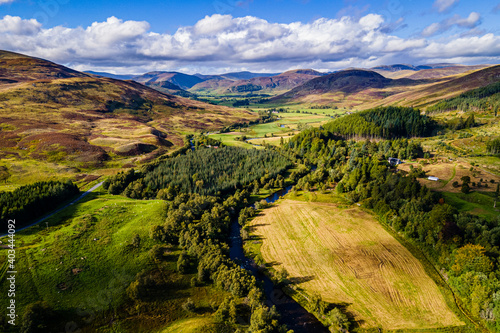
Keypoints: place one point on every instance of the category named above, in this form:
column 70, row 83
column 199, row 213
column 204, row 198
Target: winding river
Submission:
column 292, row 313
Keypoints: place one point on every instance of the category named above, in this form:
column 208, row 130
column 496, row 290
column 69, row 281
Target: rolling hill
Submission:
column 184, row 81
column 433, row 91
column 112, row 76
column 342, row 83
column 16, row 68
column 264, row 84
column 245, row 75
column 54, row 114
column 364, row 89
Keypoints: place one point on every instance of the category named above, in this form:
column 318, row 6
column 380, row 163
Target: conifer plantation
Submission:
column 204, row 171
column 32, row 201
column 387, row 122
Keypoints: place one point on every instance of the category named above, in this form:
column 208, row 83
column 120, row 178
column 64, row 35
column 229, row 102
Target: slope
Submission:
column 57, row 115
column 430, row 92
column 362, row 89
column 334, row 86
column 265, row 84
column 184, row 81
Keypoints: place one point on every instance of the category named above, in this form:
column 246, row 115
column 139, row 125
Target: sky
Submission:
column 217, row 36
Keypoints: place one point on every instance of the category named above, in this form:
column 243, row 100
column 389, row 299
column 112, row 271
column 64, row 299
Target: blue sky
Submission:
column 222, row 35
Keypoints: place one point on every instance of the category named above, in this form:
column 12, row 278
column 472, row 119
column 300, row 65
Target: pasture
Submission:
column 83, row 260
column 286, row 126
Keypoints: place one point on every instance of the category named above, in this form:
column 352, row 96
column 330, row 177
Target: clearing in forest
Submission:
column 347, row 257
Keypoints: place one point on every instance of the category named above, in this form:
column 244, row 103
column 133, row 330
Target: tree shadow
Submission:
column 271, row 264
column 254, row 227
column 300, row 279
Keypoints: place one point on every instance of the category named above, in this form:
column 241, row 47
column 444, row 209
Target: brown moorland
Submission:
column 48, row 108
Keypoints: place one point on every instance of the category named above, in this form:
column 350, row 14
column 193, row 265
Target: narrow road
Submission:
column 95, row 187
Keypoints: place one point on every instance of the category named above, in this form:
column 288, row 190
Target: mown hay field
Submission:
column 347, row 257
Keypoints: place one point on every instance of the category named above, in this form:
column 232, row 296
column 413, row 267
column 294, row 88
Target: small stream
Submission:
column 292, row 313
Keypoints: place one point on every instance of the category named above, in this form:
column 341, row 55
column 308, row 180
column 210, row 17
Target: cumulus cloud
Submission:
column 444, row 5
column 470, row 22
column 13, row 25
column 224, row 43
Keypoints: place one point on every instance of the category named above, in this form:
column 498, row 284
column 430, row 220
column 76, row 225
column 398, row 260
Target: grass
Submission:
column 97, row 230
column 84, row 261
column 347, row 257
column 478, row 203
column 272, row 132
column 190, row 325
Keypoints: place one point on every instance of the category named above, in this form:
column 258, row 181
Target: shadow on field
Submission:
column 271, row 264
column 67, row 213
column 300, row 279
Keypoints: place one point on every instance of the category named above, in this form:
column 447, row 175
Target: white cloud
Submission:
column 484, row 46
column 470, row 22
column 444, row 5
column 16, row 26
column 222, row 42
column 5, row 1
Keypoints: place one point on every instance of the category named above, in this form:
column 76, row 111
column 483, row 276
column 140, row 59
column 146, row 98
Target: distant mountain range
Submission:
column 402, row 67
column 245, row 82
column 362, row 89
column 111, row 76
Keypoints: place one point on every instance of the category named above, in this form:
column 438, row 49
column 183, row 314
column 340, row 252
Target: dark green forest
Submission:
column 29, row 202
column 493, row 147
column 204, row 171
column 485, row 98
column 386, row 122
column 466, row 246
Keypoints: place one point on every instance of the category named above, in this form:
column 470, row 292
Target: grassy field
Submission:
column 191, row 325
column 345, row 255
column 478, row 203
column 83, row 261
column 271, row 133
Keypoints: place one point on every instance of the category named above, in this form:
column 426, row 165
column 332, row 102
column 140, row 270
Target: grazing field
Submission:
column 83, row 260
column 285, row 126
column 345, row 255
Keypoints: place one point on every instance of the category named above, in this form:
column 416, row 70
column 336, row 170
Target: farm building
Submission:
column 394, row 161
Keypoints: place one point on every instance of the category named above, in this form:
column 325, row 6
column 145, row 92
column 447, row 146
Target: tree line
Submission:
column 384, row 122
column 199, row 225
column 493, row 147
column 485, row 98
column 464, row 245
column 29, row 202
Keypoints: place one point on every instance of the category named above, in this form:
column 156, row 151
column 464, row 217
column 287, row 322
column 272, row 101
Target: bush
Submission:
column 156, row 252
column 36, row 318
column 189, row 305
column 183, row 263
